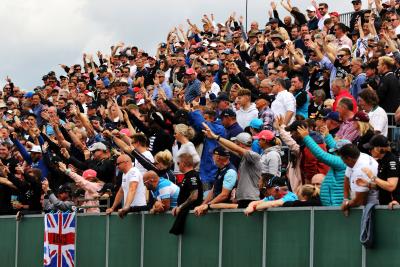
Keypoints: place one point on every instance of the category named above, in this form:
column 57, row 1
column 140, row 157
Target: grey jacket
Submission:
column 54, row 204
column 271, row 161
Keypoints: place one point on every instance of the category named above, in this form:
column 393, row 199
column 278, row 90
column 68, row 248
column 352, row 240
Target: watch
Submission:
column 219, row 137
column 49, row 192
column 373, row 178
column 209, row 206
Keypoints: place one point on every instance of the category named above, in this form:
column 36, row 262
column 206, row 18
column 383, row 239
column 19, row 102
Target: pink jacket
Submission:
column 91, row 189
column 293, row 171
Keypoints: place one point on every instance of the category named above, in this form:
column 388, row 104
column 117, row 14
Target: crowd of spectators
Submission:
column 290, row 113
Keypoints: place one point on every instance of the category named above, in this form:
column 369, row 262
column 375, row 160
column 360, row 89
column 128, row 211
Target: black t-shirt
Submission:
column 341, row 71
column 191, row 182
column 388, row 167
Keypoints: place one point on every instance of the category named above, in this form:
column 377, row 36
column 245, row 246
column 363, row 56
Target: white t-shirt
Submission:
column 215, row 89
column 147, row 154
column 284, row 102
column 379, row 120
column 356, row 172
column 134, row 175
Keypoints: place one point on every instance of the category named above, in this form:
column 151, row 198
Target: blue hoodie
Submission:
column 207, row 166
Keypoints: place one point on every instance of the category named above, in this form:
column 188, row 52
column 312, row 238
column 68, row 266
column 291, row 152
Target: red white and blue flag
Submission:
column 59, row 240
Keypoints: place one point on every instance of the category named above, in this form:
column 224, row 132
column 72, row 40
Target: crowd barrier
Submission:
column 301, row 237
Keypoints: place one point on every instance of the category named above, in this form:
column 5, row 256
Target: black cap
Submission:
column 64, row 189
column 268, row 97
column 228, row 113
column 91, row 106
column 377, row 141
column 222, row 97
column 181, row 116
column 108, row 187
column 220, row 151
column 273, row 21
column 163, row 45
column 103, row 68
column 296, row 124
column 276, row 181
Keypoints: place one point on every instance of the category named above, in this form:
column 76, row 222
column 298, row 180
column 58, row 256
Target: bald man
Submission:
column 317, row 179
column 163, row 190
column 132, row 189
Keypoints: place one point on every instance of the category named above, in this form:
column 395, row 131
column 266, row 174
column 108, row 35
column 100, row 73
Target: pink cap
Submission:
column 265, row 134
column 89, row 174
column 125, row 131
column 190, row 71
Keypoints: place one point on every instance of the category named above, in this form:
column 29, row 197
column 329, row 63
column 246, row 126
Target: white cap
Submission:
column 97, row 146
column 36, row 149
column 311, row 8
column 214, row 62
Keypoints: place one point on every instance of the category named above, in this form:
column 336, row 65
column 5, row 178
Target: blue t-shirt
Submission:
column 290, row 196
column 166, row 189
column 230, row 178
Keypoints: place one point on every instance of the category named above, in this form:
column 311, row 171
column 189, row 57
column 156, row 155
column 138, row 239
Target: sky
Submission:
column 38, row 35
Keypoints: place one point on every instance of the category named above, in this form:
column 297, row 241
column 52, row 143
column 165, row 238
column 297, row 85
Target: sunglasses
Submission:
column 340, row 56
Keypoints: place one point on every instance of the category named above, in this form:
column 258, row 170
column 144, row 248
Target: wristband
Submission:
column 254, row 207
column 209, row 206
column 49, row 192
column 219, row 137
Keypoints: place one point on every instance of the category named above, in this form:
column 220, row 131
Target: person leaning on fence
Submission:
column 356, row 161
column 249, row 168
column 225, row 181
column 132, row 190
column 62, row 202
column 190, row 194
column 277, row 193
column 388, row 171
column 163, row 190
column 90, row 183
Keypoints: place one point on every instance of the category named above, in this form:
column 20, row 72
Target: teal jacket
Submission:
column 332, row 186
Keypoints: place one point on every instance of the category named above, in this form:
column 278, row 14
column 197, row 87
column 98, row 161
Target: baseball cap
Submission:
column 277, row 36
column 190, row 71
column 108, row 187
column 274, row 20
column 97, row 146
column 222, row 97
column 276, row 181
column 28, row 94
column 163, row 45
column 89, row 173
column 36, row 149
column 214, row 62
column 311, row 8
column 64, row 189
column 296, row 124
column 361, row 116
column 219, row 150
column 339, row 144
column 256, row 123
column 333, row 115
column 243, row 138
column 334, row 14
column 267, row 135
column 2, row 104
column 377, row 141
column 228, row 113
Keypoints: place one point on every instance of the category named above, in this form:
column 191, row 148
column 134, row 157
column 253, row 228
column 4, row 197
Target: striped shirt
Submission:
column 166, row 190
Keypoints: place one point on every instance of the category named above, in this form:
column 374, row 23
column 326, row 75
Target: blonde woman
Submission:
column 183, row 135
column 365, row 129
column 308, row 196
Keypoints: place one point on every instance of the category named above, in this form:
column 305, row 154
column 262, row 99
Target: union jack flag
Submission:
column 59, row 240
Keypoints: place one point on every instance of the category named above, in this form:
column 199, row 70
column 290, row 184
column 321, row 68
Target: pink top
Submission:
column 91, row 189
